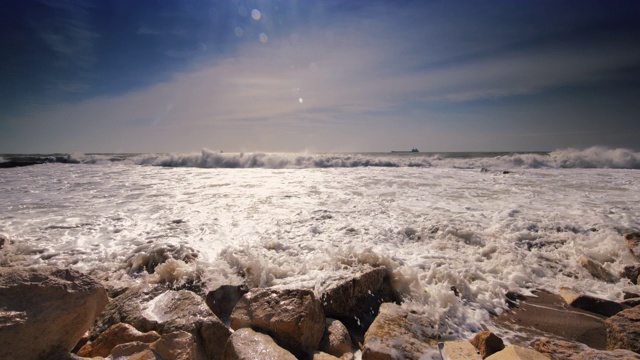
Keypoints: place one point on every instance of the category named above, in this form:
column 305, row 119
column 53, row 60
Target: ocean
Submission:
column 484, row 223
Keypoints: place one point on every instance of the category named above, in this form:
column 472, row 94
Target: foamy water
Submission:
column 485, row 233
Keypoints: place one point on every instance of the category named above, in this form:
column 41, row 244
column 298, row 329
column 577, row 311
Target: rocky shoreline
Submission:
column 52, row 313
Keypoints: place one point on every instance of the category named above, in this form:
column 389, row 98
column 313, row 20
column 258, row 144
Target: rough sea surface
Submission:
column 482, row 223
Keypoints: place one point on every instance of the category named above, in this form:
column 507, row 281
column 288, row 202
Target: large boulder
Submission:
column 596, row 269
column 397, row 333
column 591, row 303
column 633, row 242
column 120, row 333
column 47, row 308
column 166, row 311
column 336, row 340
column 623, row 330
column 293, row 318
column 355, row 299
column 487, row 343
column 246, row 344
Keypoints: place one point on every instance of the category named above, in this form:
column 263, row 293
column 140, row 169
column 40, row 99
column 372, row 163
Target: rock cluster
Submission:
column 59, row 310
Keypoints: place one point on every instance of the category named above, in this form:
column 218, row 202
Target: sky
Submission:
column 318, row 75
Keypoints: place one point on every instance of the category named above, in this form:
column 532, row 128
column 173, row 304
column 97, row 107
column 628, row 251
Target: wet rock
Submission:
column 623, row 330
column 246, row 344
column 487, row 343
column 630, row 295
column 458, row 350
column 397, row 333
column 336, row 339
column 596, row 269
column 3, row 240
column 632, row 302
column 293, row 318
column 355, row 300
column 514, row 352
column 48, row 308
column 631, row 272
column 148, row 256
column 559, row 349
column 166, row 311
column 115, row 335
column 633, row 242
column 590, row 303
column 222, row 300
column 593, row 354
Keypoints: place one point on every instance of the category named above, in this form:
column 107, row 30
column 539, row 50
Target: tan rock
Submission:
column 618, row 354
column 128, row 349
column 590, row 303
column 293, row 318
column 458, row 350
column 514, row 352
column 487, row 343
column 143, row 355
column 559, row 349
column 596, row 269
column 47, row 308
column 178, row 345
column 397, row 333
column 336, row 339
column 633, row 242
column 623, row 330
column 117, row 334
column 355, row 299
column 319, row 355
column 246, row 344
column 167, row 311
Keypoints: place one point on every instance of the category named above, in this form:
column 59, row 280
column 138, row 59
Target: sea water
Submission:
column 483, row 224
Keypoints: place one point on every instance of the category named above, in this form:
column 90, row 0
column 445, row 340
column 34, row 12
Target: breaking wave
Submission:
column 593, row 157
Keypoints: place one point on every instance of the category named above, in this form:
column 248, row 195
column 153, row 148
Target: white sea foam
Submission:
column 484, row 233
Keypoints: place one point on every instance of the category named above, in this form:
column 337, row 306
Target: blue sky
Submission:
column 295, row 75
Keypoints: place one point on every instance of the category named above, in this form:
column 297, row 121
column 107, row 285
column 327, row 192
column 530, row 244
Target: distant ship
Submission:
column 414, row 150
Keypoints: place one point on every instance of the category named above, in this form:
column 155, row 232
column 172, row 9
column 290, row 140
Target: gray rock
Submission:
column 631, row 272
column 223, row 299
column 397, row 333
column 596, row 269
column 356, row 299
column 246, row 344
column 167, row 311
column 293, row 318
column 47, row 308
column 591, row 303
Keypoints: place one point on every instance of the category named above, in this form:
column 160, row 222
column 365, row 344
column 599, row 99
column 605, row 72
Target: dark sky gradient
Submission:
column 143, row 76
